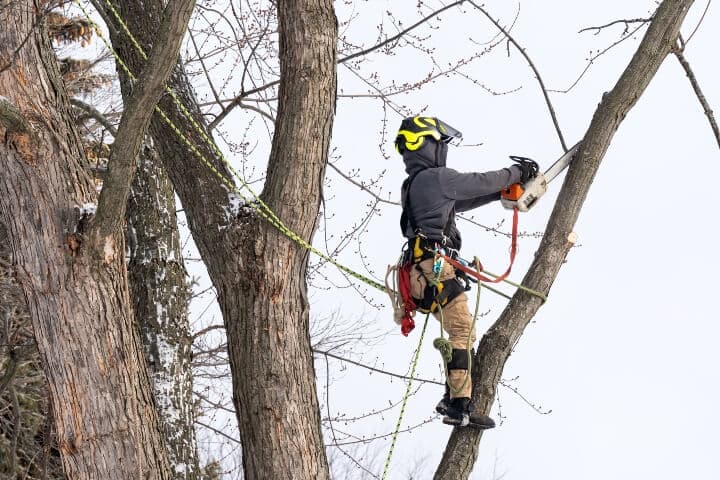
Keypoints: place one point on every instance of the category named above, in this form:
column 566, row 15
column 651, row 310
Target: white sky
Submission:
column 623, row 353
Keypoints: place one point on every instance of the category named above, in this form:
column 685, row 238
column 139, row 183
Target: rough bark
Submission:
column 258, row 273
column 103, row 411
column 496, row 345
column 160, row 296
column 137, row 112
column 27, row 445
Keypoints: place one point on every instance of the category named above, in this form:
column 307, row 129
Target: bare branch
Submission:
column 29, row 34
column 237, row 100
column 678, row 52
column 532, row 66
column 592, row 59
column 626, row 22
column 368, row 367
column 205, row 70
column 219, row 432
column 400, row 34
column 702, row 18
column 95, row 114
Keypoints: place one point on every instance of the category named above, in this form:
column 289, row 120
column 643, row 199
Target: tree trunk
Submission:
column 160, row 296
column 27, row 443
column 496, row 345
column 259, row 274
column 106, row 422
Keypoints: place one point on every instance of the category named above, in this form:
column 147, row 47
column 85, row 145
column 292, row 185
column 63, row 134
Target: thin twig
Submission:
column 238, row 100
column 532, row 66
column 16, row 428
column 368, row 367
column 332, row 429
column 204, row 68
column 702, row 17
column 596, row 56
column 206, row 330
column 400, row 34
column 29, row 34
column 678, row 51
column 626, row 22
column 219, row 432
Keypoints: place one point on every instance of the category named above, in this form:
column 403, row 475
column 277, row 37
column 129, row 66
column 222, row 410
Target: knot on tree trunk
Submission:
column 15, row 130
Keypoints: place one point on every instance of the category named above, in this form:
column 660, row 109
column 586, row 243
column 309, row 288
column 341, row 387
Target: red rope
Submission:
column 409, row 306
column 476, row 273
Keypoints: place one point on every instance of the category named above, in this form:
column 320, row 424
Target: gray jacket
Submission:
column 437, row 192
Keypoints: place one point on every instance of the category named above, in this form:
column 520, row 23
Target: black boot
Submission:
column 459, row 414
column 444, row 403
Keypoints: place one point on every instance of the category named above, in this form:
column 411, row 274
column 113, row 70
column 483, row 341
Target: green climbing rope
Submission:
column 405, row 398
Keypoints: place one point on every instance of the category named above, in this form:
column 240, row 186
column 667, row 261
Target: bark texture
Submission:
column 496, row 345
column 145, row 91
column 259, row 274
column 160, row 297
column 28, row 448
column 105, row 418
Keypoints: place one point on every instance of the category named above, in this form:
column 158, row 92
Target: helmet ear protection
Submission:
column 413, row 131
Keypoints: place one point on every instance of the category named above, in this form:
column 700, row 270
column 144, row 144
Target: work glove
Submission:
column 528, row 167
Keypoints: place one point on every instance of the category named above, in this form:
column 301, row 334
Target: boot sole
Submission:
column 458, row 423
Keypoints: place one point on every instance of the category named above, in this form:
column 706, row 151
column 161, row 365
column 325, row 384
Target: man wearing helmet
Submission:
column 431, row 195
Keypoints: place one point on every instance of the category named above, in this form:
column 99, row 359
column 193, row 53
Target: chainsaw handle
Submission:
column 519, row 159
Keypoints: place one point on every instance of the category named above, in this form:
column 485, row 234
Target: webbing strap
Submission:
column 476, row 273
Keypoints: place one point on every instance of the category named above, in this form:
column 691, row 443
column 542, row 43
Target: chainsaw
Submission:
column 523, row 196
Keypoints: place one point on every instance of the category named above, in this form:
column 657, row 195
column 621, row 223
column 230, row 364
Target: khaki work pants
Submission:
column 456, row 317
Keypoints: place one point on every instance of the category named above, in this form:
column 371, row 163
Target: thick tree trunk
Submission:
column 160, row 297
column 259, row 274
column 106, row 422
column 496, row 346
column 27, row 444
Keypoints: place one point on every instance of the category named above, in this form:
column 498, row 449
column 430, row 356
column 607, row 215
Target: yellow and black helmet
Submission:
column 413, row 131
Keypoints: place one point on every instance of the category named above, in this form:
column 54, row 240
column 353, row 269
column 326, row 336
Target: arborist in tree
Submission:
column 431, row 195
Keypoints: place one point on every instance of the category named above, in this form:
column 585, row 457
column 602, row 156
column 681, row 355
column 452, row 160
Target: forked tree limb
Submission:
column 136, row 117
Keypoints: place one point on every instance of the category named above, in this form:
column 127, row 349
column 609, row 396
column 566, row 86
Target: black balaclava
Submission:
column 432, row 154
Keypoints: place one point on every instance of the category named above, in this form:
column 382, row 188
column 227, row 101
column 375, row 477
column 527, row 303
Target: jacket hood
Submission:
column 431, row 155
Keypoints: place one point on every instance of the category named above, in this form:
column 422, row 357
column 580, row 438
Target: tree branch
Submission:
column 626, row 22
column 678, row 52
column 400, row 34
column 238, row 100
column 373, row 369
column 497, row 344
column 133, row 125
column 532, row 66
column 93, row 112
